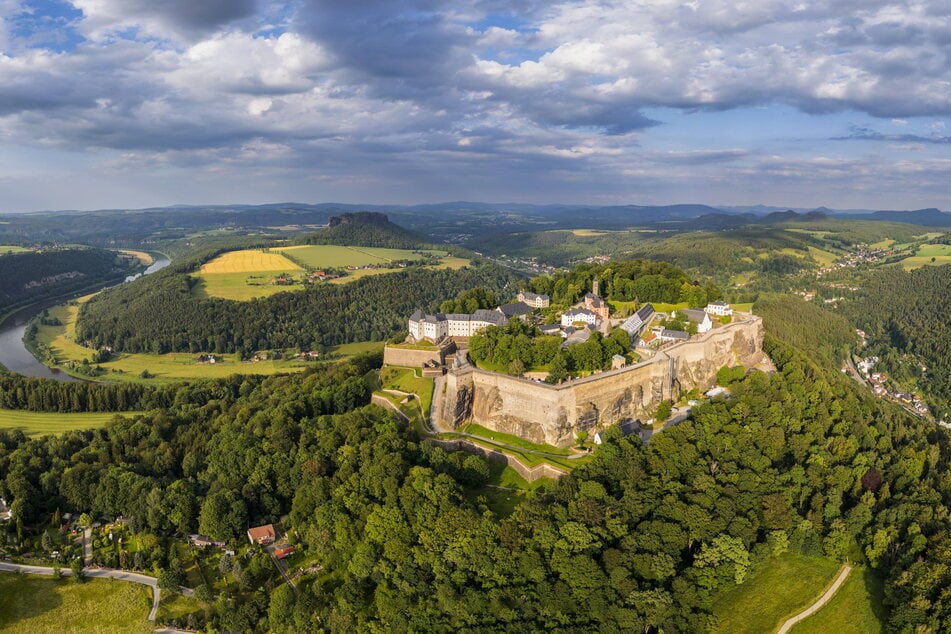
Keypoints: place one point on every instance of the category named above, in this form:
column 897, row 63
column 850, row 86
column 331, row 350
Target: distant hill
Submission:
column 930, row 217
column 366, row 229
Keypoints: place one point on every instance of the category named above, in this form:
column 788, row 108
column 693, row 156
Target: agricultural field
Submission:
column 928, row 254
column 4, row 249
column 244, row 275
column 44, row 423
column 162, row 368
column 248, row 274
column 855, row 609
column 145, row 258
column 794, row 583
column 101, row 606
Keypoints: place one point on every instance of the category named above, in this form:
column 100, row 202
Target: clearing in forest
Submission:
column 43, row 423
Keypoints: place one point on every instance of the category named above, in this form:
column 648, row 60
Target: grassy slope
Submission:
column 37, row 605
column 42, row 423
column 166, row 367
column 940, row 252
column 855, row 609
column 776, row 590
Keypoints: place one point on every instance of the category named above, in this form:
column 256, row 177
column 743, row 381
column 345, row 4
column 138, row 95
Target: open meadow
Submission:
column 162, row 368
column 5, row 248
column 855, row 609
column 928, row 254
column 97, row 606
column 794, row 582
column 43, row 423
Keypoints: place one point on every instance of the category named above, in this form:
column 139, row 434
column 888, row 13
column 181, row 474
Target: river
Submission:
column 13, row 354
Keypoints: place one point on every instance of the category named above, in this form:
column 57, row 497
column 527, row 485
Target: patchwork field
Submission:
column 38, row 605
column 928, row 254
column 244, row 275
column 43, row 423
column 163, row 368
column 247, row 274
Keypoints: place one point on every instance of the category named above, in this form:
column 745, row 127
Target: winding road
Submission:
column 820, row 602
column 100, row 573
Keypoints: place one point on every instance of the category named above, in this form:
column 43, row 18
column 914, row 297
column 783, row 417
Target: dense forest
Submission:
column 626, row 280
column 32, row 276
column 366, row 229
column 160, row 313
column 905, row 315
column 642, row 537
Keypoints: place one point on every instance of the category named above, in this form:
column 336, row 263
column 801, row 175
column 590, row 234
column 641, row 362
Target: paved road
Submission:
column 815, row 607
column 99, row 573
column 87, row 547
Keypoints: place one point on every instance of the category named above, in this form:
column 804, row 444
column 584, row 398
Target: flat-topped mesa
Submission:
column 554, row 414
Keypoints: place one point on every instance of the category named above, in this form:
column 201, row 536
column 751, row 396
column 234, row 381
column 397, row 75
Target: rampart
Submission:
column 554, row 414
column 417, row 358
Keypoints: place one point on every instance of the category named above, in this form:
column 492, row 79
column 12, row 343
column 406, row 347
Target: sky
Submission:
column 137, row 103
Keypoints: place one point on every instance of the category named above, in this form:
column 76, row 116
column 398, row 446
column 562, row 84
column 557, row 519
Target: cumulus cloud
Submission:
column 189, row 18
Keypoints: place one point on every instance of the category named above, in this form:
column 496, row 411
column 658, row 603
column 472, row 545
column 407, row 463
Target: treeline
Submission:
column 905, row 315
column 45, row 395
column 366, row 229
column 161, row 313
column 626, row 280
column 30, row 277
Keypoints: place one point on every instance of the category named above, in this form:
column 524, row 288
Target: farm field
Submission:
column 855, row 609
column 244, row 275
column 4, row 249
column 164, row 368
column 794, row 582
column 940, row 253
column 145, row 258
column 43, row 423
column 247, row 274
column 101, row 606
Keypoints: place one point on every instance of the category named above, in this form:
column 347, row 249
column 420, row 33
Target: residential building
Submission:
column 721, row 309
column 533, row 300
column 262, row 534
column 699, row 317
column 673, row 335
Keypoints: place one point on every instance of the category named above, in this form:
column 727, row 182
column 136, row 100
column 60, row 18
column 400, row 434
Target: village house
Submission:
column 263, row 535
column 699, row 317
column 533, row 300
column 721, row 309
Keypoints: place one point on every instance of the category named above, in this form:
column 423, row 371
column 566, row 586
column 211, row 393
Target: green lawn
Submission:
column 43, row 423
column 855, row 609
column 405, row 380
column 779, row 588
column 37, row 605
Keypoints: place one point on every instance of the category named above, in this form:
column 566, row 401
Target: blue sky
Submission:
column 132, row 103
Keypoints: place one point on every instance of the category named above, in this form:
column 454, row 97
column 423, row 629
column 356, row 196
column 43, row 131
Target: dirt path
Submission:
column 815, row 607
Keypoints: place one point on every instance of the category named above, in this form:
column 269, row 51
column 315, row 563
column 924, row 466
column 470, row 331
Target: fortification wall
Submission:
column 530, row 474
column 554, row 415
column 416, row 358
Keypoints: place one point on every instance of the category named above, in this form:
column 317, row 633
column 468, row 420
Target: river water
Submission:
column 13, row 354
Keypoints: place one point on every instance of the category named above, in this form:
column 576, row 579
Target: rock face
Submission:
column 543, row 413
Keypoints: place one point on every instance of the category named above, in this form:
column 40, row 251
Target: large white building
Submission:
column 699, row 317
column 435, row 327
column 533, row 300
column 578, row 315
column 719, row 308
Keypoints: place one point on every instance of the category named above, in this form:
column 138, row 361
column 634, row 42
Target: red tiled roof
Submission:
column 259, row 533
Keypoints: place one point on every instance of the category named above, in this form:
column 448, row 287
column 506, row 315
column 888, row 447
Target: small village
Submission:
column 883, row 387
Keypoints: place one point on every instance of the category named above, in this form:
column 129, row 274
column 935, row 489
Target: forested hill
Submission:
column 30, row 277
column 160, row 313
column 641, row 539
column 366, row 229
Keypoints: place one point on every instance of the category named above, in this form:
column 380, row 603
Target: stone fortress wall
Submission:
column 554, row 414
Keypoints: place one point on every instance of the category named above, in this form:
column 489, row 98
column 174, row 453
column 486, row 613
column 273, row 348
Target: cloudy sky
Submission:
column 131, row 103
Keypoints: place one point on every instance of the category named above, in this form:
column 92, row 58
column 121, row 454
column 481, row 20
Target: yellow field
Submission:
column 249, row 261
column 142, row 256
column 164, row 368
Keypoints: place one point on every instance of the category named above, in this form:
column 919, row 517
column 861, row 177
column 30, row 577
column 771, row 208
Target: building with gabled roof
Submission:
column 673, row 335
column 515, row 309
column 633, row 324
column 576, row 315
column 699, row 317
column 533, row 300
column 719, row 308
column 263, row 535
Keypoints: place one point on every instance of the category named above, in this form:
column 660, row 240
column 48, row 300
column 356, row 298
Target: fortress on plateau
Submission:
column 554, row 414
